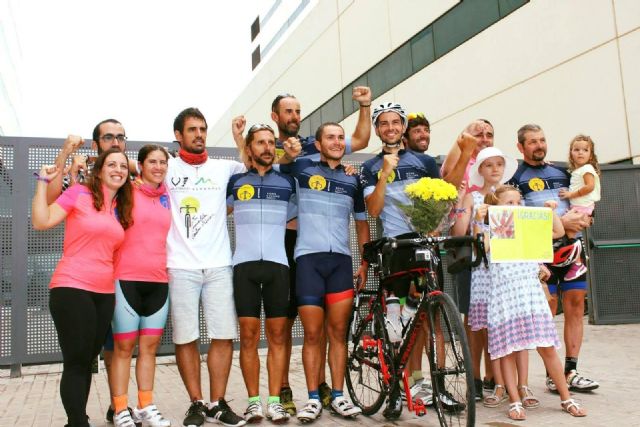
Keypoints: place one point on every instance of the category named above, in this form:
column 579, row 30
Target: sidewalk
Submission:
column 609, row 355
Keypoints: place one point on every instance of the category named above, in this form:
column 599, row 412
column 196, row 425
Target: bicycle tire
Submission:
column 363, row 373
column 454, row 379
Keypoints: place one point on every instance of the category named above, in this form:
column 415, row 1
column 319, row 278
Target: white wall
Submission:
column 568, row 66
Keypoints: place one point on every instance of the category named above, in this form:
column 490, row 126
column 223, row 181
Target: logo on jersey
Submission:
column 536, row 184
column 317, row 182
column 390, row 178
column 164, row 201
column 246, row 192
column 189, row 206
column 279, row 152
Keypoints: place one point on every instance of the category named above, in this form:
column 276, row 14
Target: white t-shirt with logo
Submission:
column 198, row 237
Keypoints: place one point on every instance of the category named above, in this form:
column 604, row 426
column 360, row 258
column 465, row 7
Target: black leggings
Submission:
column 82, row 319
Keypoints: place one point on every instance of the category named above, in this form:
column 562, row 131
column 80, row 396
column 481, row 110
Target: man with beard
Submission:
column 199, row 267
column 418, row 133
column 327, row 198
column 384, row 178
column 260, row 199
column 285, row 112
column 538, row 182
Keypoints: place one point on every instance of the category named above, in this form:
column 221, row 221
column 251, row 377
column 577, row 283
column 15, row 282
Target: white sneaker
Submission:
column 123, row 419
column 422, row 391
column 276, row 413
column 342, row 406
column 149, row 416
column 311, row 411
column 254, row 413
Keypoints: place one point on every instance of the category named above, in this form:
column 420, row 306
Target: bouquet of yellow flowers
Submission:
column 431, row 202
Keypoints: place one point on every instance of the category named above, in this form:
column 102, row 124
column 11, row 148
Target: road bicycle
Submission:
column 376, row 366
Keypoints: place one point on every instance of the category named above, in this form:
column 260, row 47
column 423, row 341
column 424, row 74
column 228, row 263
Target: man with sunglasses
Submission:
column 260, row 199
column 285, row 112
column 538, row 182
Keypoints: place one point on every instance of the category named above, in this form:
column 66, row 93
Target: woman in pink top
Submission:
column 82, row 299
column 142, row 299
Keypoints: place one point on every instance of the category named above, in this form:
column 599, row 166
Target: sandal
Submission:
column 520, row 414
column 529, row 401
column 494, row 400
column 573, row 408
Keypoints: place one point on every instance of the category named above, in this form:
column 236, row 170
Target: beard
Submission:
column 289, row 129
column 263, row 160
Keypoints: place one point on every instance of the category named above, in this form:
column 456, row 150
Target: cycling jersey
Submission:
column 309, row 149
column 411, row 167
column 539, row 183
column 326, row 199
column 260, row 206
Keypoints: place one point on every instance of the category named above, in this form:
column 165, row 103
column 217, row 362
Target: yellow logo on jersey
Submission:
column 246, row 192
column 536, row 184
column 317, row 182
column 390, row 178
column 279, row 152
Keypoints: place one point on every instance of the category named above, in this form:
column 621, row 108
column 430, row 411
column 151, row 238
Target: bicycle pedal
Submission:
column 419, row 408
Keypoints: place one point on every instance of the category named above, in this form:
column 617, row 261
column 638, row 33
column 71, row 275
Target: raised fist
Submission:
column 467, row 142
column 72, row 143
column 237, row 125
column 362, row 95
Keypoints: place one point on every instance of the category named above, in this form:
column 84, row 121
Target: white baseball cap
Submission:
column 510, row 166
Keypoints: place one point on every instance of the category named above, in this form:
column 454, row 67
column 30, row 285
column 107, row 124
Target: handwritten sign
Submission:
column 520, row 233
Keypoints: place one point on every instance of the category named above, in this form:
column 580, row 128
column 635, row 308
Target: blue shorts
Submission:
column 323, row 278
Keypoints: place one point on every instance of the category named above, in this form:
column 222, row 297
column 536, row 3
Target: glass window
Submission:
column 508, row 6
column 462, row 22
column 422, row 52
column 349, row 105
column 315, row 120
column 305, row 128
column 332, row 110
column 391, row 70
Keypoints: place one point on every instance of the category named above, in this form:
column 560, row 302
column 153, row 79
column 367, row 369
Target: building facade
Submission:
column 565, row 65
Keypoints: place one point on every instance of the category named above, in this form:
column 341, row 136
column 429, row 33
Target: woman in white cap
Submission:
column 491, row 169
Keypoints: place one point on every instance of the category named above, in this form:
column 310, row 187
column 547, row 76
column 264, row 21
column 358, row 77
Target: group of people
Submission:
column 292, row 200
column 505, row 305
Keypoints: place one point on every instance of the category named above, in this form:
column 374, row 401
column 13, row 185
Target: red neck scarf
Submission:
column 193, row 158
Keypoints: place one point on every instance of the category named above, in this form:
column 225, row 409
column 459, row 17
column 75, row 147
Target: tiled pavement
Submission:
column 610, row 354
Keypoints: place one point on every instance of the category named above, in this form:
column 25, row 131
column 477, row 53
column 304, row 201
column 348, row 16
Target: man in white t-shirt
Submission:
column 199, row 265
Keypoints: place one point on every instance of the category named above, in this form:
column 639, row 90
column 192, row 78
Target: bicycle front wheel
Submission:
column 366, row 369
column 451, row 369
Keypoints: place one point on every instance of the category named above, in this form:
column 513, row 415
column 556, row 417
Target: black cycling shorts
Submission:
column 255, row 282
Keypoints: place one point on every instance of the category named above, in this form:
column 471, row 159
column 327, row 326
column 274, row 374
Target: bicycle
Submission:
column 375, row 365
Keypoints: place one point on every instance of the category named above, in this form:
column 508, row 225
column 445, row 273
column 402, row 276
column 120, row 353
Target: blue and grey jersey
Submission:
column 327, row 198
column 411, row 167
column 309, row 149
column 260, row 205
column 539, row 183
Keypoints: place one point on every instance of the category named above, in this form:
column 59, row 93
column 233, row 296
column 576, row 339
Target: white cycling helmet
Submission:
column 389, row 107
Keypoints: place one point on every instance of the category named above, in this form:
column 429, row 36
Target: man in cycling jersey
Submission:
column 327, row 198
column 384, row 178
column 538, row 182
column 260, row 199
column 285, row 112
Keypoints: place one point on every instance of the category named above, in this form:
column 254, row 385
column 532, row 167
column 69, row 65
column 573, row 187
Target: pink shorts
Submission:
column 588, row 210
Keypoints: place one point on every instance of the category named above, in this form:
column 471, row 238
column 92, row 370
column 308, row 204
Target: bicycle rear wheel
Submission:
column 366, row 369
column 451, row 369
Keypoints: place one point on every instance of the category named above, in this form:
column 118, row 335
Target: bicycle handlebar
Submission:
column 390, row 244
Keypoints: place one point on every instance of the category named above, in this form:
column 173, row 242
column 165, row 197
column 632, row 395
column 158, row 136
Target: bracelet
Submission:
column 41, row 178
column 362, row 105
column 479, row 224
